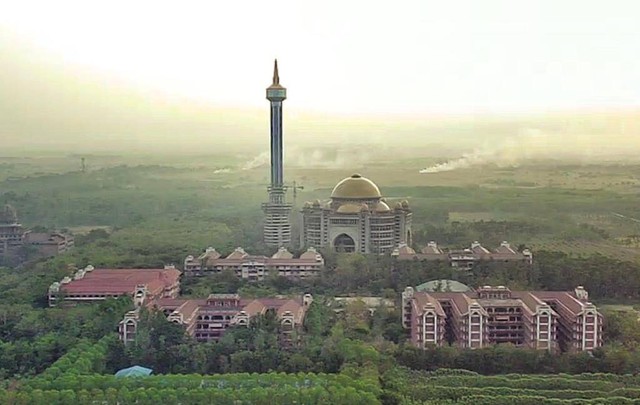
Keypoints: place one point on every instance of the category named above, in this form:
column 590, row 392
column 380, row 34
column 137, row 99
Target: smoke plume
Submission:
column 535, row 144
column 262, row 159
column 222, row 171
column 325, row 158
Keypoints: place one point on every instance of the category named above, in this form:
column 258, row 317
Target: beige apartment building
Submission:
column 546, row 320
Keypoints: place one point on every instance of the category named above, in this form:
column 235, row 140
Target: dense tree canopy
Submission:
column 148, row 216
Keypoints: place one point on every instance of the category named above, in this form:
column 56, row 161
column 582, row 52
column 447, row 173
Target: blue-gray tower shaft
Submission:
column 276, row 94
column 277, row 228
column 276, row 144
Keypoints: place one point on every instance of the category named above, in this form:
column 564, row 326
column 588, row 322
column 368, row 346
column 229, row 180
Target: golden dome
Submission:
column 348, row 209
column 356, row 187
column 381, row 206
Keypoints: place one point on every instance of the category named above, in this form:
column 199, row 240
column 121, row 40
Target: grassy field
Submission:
column 585, row 248
column 464, row 387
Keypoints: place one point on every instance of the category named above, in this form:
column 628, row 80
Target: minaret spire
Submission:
column 276, row 77
column 277, row 228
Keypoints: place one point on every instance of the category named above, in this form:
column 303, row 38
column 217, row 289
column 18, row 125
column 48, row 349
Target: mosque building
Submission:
column 356, row 219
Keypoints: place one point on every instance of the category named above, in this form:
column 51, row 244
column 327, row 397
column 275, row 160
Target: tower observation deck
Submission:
column 277, row 227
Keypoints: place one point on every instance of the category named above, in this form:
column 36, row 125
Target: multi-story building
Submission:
column 93, row 285
column 17, row 243
column 49, row 244
column 549, row 320
column 356, row 219
column 208, row 319
column 12, row 233
column 252, row 267
column 465, row 258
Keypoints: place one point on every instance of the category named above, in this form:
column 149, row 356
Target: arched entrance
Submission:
column 344, row 244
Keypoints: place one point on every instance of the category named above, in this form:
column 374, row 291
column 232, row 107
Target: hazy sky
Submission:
column 352, row 57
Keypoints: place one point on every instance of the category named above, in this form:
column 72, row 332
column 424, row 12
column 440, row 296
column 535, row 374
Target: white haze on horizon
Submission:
column 535, row 144
column 313, row 158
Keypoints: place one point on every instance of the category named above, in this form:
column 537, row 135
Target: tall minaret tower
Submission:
column 277, row 229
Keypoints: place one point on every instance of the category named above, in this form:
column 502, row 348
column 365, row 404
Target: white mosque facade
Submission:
column 356, row 219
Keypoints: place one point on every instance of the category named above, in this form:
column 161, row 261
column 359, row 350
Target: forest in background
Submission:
column 124, row 214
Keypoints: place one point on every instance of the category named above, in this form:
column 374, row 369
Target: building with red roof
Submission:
column 255, row 267
column 549, row 320
column 208, row 319
column 465, row 258
column 91, row 285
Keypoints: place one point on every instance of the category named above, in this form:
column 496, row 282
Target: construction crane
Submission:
column 295, row 188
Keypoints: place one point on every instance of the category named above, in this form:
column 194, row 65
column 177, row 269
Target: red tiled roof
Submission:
column 295, row 308
column 423, row 300
column 506, row 249
column 189, row 308
column 211, row 257
column 561, row 297
column 460, row 300
column 529, row 300
column 475, row 252
column 310, row 255
column 479, row 250
column 423, row 256
column 255, row 307
column 166, row 302
column 432, row 249
column 273, row 302
column 259, row 305
column 263, row 260
column 122, row 281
